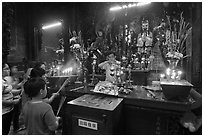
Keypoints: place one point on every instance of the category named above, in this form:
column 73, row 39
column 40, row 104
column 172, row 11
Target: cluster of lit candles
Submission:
column 58, row 71
column 67, row 71
column 171, row 74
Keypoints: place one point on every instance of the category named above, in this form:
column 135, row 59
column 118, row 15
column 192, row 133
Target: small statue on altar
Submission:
column 98, row 46
column 96, row 50
column 144, row 40
column 144, row 45
column 75, row 44
column 135, row 61
column 60, row 51
column 61, row 46
column 158, row 62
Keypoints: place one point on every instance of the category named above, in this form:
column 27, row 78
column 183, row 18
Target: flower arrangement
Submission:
column 176, row 37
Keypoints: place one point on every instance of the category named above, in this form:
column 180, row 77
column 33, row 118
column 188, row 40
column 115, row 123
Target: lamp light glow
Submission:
column 52, row 25
column 173, row 75
column 142, row 3
column 115, row 8
column 132, row 5
column 124, row 6
column 129, row 6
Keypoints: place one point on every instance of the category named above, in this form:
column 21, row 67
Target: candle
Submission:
column 173, row 75
column 179, row 73
column 162, row 76
column 168, row 71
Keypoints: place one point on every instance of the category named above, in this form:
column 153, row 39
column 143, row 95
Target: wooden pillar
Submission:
column 197, row 46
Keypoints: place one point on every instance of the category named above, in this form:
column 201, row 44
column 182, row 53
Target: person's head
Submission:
column 145, row 25
column 5, row 70
column 37, row 72
column 35, row 87
column 110, row 56
column 14, row 70
column 40, row 65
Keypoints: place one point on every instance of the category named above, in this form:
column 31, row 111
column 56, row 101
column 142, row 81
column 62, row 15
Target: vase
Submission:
column 173, row 62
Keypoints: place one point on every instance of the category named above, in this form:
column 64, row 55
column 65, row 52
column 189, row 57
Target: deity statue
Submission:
column 144, row 46
column 144, row 40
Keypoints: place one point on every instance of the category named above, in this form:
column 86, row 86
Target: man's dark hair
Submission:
column 33, row 86
column 38, row 64
column 37, row 72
